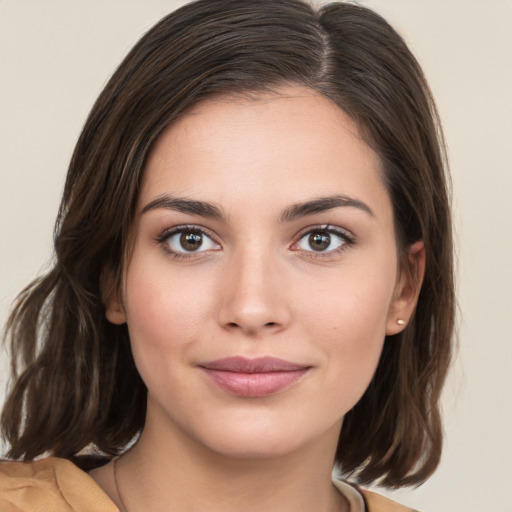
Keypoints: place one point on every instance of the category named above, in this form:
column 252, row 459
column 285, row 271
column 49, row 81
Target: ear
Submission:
column 407, row 289
column 111, row 297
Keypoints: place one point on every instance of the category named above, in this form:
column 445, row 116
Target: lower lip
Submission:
column 254, row 385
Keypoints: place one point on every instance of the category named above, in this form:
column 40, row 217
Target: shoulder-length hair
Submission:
column 75, row 384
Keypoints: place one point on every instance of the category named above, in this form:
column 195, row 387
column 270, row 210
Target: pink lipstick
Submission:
column 253, row 378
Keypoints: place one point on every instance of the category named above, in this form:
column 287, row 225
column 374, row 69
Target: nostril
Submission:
column 270, row 324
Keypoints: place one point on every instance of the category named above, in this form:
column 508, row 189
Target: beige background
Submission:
column 55, row 56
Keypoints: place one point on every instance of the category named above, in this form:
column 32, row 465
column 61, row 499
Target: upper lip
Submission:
column 239, row 364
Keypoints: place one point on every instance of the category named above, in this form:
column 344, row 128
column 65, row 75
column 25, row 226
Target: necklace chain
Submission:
column 118, row 492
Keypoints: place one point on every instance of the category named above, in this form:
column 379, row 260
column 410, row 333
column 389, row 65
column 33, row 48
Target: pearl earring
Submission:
column 400, row 322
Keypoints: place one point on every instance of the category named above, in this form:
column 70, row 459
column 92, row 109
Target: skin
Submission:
column 256, row 287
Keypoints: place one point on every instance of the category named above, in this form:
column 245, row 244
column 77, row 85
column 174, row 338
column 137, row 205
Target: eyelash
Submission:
column 168, row 233
column 346, row 238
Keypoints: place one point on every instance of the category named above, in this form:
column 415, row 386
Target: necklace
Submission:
column 118, row 492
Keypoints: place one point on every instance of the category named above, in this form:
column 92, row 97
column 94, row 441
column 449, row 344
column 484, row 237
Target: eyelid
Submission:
column 347, row 236
column 174, row 230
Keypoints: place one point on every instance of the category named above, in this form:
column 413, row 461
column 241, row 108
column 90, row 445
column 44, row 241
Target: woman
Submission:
column 253, row 276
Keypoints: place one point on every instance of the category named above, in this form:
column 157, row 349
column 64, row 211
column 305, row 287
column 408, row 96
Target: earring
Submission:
column 400, row 322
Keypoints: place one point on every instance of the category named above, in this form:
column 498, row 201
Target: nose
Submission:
column 253, row 296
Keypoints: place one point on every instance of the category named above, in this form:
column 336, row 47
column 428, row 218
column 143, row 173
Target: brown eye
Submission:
column 319, row 241
column 324, row 240
column 191, row 240
column 188, row 240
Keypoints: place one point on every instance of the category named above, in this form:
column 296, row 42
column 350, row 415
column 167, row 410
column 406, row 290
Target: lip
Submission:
column 258, row 377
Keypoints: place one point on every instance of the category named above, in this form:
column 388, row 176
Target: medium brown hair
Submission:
column 75, row 385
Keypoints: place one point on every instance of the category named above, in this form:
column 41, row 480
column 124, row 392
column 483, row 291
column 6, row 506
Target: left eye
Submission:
column 189, row 240
column 321, row 240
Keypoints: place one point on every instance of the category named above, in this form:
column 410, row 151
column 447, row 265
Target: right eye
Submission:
column 188, row 240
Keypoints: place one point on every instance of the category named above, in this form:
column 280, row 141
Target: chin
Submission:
column 265, row 439
column 254, row 447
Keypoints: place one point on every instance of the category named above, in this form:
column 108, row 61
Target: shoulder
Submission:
column 362, row 500
column 49, row 484
column 378, row 503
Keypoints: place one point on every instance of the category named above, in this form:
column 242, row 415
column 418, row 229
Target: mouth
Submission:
column 253, row 378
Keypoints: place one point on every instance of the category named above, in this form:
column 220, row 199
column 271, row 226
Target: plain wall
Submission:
column 55, row 57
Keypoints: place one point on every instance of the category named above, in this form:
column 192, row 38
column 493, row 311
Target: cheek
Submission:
column 353, row 303
column 165, row 314
column 348, row 322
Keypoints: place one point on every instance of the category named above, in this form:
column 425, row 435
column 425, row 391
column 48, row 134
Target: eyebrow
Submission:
column 294, row 212
column 323, row 204
column 190, row 206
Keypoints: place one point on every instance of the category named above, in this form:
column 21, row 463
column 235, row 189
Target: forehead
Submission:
column 282, row 144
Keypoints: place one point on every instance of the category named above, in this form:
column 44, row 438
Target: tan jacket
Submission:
column 57, row 485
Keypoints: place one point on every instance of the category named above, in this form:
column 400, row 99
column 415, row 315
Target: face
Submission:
column 264, row 273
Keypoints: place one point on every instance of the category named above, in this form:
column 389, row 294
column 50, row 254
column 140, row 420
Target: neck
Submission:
column 165, row 471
